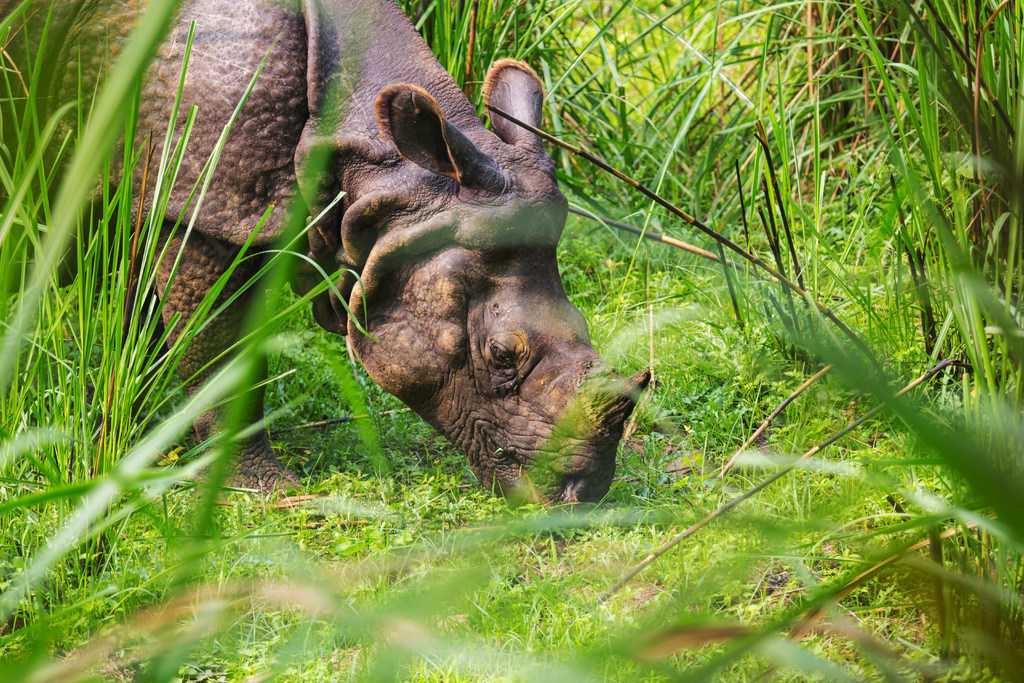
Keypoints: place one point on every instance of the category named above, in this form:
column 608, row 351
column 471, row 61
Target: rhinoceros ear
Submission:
column 413, row 119
column 513, row 87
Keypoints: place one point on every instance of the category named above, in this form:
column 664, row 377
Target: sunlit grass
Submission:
column 415, row 573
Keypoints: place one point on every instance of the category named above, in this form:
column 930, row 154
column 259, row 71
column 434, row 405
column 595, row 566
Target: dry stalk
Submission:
column 696, row 223
column 978, row 170
column 333, row 421
column 919, row 275
column 126, row 314
column 807, row 622
column 762, row 138
column 962, row 53
column 647, row 234
column 768, row 421
column 467, row 87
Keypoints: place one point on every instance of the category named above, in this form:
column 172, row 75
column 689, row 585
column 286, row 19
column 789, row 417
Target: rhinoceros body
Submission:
column 452, row 228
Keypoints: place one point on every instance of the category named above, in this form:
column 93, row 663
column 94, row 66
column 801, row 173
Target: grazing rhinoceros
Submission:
column 452, row 228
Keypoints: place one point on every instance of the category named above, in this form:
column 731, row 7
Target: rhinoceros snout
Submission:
column 580, row 468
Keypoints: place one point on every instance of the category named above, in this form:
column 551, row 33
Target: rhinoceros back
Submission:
column 83, row 39
column 257, row 164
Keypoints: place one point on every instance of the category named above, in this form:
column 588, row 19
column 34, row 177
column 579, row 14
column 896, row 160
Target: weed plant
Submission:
column 868, row 150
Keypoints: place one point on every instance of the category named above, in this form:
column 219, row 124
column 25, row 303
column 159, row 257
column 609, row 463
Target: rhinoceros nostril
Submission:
column 639, row 381
column 570, row 493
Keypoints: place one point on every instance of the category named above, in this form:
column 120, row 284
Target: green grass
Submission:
column 111, row 567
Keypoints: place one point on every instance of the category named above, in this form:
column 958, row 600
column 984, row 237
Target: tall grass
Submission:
column 91, row 398
column 888, row 175
column 893, row 134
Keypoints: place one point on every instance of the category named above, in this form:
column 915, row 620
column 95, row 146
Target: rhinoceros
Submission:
column 452, row 228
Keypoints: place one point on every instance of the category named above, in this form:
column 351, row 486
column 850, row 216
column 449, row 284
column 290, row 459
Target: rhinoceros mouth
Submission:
column 569, row 474
column 578, row 471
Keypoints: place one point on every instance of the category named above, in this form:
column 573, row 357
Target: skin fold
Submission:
column 452, row 228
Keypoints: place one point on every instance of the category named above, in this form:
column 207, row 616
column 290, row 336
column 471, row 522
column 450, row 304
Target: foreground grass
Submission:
column 414, row 573
column 421, row 558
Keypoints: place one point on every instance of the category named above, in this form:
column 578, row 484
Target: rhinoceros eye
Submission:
column 501, row 356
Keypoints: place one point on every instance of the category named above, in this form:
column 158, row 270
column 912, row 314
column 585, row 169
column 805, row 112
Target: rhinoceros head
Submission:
column 461, row 296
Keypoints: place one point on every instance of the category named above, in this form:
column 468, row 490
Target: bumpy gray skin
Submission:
column 452, row 228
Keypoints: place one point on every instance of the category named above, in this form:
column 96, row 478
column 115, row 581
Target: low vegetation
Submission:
column 865, row 151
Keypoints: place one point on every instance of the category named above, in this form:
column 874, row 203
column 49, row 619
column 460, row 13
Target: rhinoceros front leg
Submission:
column 203, row 261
